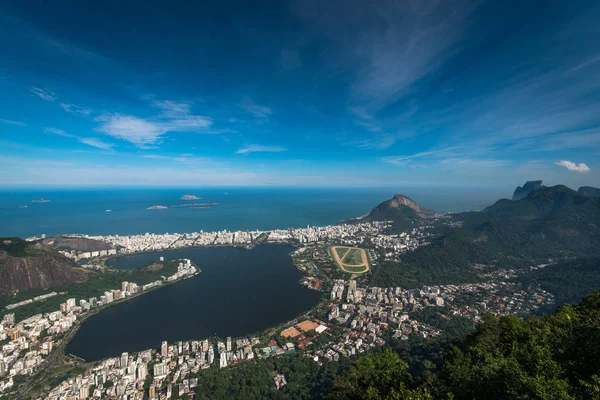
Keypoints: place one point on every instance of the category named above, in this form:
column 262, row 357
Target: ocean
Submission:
column 84, row 211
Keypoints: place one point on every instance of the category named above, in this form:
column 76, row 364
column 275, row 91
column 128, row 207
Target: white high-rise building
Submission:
column 164, row 349
column 142, row 372
column 222, row 360
column 160, row 370
column 124, row 359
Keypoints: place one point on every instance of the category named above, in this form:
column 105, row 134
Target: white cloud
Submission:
column 572, row 166
column 399, row 41
column 257, row 110
column 59, row 132
column 75, row 109
column 183, row 158
column 174, row 117
column 89, row 141
column 257, row 148
column 172, row 109
column 401, row 160
column 12, row 122
column 132, row 129
column 379, row 142
column 43, row 94
column 96, row 143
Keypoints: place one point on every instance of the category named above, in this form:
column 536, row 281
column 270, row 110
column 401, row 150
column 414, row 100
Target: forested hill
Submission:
column 404, row 212
column 552, row 357
column 551, row 223
column 26, row 265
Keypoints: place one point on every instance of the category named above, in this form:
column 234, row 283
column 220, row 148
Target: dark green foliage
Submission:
column 381, row 376
column 551, row 357
column 455, row 326
column 550, row 223
column 15, row 247
column 568, row 281
column 254, row 379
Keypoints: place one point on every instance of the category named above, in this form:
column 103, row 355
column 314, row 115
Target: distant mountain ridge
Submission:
column 528, row 187
column 25, row 265
column 550, row 223
column 589, row 191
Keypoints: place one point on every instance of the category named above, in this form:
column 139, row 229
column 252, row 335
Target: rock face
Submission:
column 528, row 187
column 589, row 191
column 398, row 202
column 34, row 266
column 403, row 211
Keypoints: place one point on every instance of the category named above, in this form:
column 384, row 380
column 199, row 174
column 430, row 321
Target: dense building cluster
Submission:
column 368, row 311
column 28, row 342
column 159, row 373
column 346, row 233
column 357, row 316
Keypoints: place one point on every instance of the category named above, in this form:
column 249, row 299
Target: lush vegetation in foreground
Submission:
column 551, row 357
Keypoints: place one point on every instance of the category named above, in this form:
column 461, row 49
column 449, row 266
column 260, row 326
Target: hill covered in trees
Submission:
column 551, row 223
column 551, row 357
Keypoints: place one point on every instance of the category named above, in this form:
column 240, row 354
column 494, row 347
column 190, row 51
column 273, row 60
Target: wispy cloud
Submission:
column 183, row 158
column 257, row 148
column 398, row 42
column 12, row 122
column 261, row 112
column 96, row 143
column 88, row 141
column 378, row 142
column 173, row 117
column 43, row 93
column 75, row 109
column 572, row 166
column 59, row 132
column 401, row 160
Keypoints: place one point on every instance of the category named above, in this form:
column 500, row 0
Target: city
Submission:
column 354, row 316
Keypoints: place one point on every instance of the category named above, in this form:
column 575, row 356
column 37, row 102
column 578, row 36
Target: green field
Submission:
column 352, row 260
column 341, row 251
column 353, row 257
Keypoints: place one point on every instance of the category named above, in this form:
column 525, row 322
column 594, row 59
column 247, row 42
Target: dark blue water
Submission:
column 238, row 292
column 84, row 211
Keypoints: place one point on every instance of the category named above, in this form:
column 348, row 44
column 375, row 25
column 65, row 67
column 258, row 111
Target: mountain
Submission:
column 528, row 187
column 403, row 211
column 589, row 191
column 549, row 223
column 68, row 243
column 25, row 265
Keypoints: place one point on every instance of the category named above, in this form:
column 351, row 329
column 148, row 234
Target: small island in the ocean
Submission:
column 199, row 205
column 189, row 197
column 40, row 200
column 157, row 208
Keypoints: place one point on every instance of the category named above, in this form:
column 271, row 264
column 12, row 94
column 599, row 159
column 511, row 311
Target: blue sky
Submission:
column 306, row 93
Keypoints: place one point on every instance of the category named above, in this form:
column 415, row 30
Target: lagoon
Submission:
column 239, row 292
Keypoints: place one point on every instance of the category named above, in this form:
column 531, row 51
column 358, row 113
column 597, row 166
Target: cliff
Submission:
column 26, row 265
column 528, row 187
